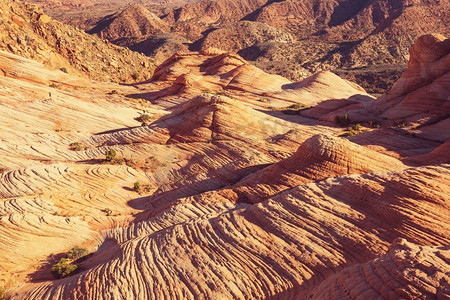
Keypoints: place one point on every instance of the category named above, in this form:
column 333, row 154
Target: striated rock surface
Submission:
column 420, row 100
column 389, row 276
column 225, row 182
column 317, row 158
column 289, row 243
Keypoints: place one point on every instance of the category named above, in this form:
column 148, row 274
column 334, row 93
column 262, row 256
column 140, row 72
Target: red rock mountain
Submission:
column 365, row 41
column 132, row 25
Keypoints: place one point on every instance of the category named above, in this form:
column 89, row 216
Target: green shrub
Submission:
column 76, row 147
column 221, row 93
column 137, row 186
column 294, row 109
column 77, row 252
column 401, row 125
column 64, row 267
column 373, row 124
column 356, row 127
column 144, row 119
column 110, row 154
column 343, row 120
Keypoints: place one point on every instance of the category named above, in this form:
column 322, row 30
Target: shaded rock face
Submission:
column 227, row 183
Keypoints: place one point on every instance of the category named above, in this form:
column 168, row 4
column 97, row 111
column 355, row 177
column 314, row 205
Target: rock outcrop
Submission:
column 317, row 158
column 420, row 100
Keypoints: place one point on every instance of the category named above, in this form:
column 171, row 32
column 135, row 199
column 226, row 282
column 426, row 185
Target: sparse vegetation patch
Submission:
column 110, row 154
column 342, row 120
column 76, row 147
column 137, row 186
column 66, row 266
column 144, row 118
column 294, row 109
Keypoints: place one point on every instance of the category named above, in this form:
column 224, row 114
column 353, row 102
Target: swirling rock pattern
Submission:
column 236, row 200
column 423, row 269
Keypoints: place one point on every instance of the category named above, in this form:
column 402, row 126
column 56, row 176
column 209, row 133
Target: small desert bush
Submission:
column 77, row 252
column 221, row 93
column 137, row 186
column 294, row 109
column 144, row 119
column 64, row 267
column 110, row 155
column 342, row 120
column 356, row 127
column 373, row 124
column 63, row 69
column 76, row 147
column 135, row 76
column 401, row 125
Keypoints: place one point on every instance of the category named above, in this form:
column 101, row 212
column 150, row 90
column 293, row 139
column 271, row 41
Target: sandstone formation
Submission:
column 225, row 182
column 385, row 277
column 419, row 100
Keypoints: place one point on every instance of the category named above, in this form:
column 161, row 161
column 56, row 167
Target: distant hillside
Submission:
column 25, row 30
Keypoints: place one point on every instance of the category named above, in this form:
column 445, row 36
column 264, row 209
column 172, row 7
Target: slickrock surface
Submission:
column 226, row 74
column 385, row 277
column 248, row 188
column 289, row 243
column 317, row 158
